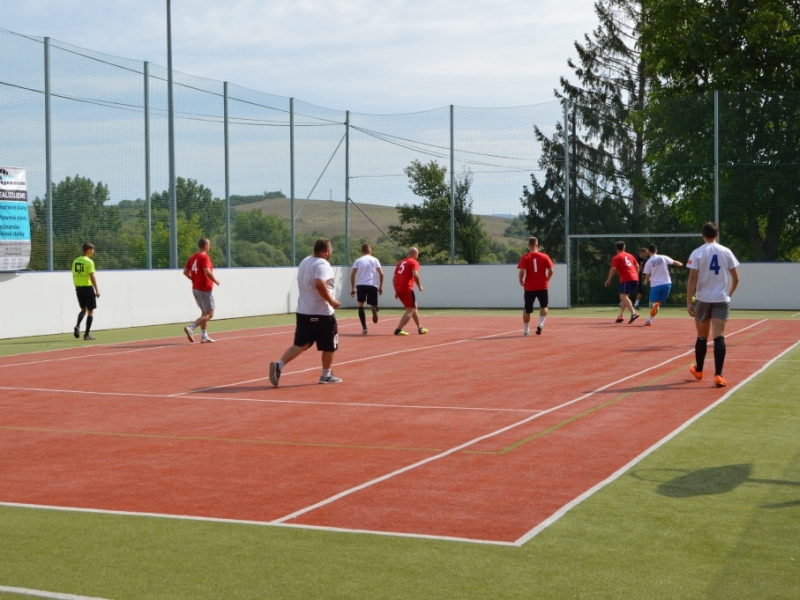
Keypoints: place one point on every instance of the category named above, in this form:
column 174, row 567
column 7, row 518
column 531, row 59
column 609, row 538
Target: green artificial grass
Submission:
column 714, row 513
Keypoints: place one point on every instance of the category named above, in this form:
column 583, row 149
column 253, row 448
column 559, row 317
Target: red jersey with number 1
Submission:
column 627, row 267
column 404, row 274
column 535, row 265
column 197, row 264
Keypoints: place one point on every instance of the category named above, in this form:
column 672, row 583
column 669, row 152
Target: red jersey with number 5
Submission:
column 404, row 274
column 197, row 264
column 535, row 265
column 627, row 267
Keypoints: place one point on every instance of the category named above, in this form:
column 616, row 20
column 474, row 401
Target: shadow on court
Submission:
column 710, row 481
column 241, row 389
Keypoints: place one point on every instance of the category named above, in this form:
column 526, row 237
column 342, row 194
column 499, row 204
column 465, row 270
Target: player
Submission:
column 712, row 280
column 406, row 273
column 366, row 282
column 625, row 264
column 535, row 270
column 315, row 318
column 200, row 271
column 641, row 259
column 83, row 276
column 656, row 269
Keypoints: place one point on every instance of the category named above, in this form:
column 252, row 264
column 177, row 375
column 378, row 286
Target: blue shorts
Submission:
column 660, row 293
column 628, row 287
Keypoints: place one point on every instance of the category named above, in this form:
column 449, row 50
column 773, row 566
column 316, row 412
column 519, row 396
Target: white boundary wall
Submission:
column 44, row 303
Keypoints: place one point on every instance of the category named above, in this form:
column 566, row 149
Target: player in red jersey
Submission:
column 201, row 273
column 535, row 271
column 406, row 273
column 628, row 268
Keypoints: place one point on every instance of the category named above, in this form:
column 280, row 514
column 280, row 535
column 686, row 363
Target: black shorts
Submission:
column 86, row 297
column 368, row 294
column 541, row 295
column 321, row 329
column 640, row 287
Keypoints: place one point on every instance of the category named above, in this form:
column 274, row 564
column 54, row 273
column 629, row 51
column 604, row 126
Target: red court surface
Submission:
column 470, row 432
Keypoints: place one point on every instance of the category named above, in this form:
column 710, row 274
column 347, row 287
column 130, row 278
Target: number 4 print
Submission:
column 714, row 266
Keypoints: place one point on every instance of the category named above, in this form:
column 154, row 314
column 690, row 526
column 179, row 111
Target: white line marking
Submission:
column 259, row 523
column 795, row 315
column 267, row 401
column 43, row 594
column 614, row 476
column 474, row 441
column 347, row 362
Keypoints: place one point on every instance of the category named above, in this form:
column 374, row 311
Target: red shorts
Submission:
column 407, row 297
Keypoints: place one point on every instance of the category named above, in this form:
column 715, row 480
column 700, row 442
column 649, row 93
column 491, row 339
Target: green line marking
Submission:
column 217, row 439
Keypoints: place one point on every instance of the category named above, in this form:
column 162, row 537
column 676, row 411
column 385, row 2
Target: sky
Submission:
column 378, row 57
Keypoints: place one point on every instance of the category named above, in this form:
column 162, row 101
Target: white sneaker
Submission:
column 330, row 379
column 526, row 333
column 189, row 333
column 206, row 340
column 364, row 332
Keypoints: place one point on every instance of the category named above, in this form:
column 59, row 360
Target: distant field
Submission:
column 326, row 216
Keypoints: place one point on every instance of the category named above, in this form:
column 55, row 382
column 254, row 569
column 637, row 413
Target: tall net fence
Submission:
column 263, row 176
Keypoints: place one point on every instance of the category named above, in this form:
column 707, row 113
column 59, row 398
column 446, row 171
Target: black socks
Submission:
column 80, row 318
column 362, row 317
column 700, row 347
column 89, row 320
column 720, row 349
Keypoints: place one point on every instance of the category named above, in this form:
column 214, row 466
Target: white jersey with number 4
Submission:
column 367, row 270
column 713, row 264
column 657, row 266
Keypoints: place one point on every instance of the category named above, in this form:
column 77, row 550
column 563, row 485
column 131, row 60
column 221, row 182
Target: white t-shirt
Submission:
column 713, row 263
column 310, row 302
column 367, row 266
column 657, row 266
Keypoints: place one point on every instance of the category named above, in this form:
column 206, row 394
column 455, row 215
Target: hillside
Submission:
column 326, row 216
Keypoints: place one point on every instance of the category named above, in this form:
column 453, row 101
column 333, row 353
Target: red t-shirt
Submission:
column 535, row 265
column 197, row 264
column 404, row 274
column 627, row 267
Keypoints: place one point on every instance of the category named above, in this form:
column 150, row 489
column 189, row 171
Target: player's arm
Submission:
column 677, row 263
column 549, row 272
column 380, row 280
column 353, row 282
column 734, row 281
column 210, row 275
column 322, row 289
column 187, row 273
column 416, row 278
column 691, row 288
column 97, row 289
column 611, row 272
column 521, row 273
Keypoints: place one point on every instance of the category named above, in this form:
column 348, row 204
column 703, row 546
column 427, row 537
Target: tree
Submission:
column 749, row 51
column 80, row 214
column 427, row 225
column 193, row 198
column 254, row 226
column 609, row 180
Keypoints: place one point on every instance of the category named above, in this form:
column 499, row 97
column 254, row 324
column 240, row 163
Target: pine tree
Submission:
column 607, row 179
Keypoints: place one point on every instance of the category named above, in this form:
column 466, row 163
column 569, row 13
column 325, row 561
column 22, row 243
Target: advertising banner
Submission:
column 15, row 227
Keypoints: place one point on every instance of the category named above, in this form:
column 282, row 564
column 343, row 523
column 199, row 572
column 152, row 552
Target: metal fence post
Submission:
column 452, row 192
column 347, row 188
column 716, row 157
column 291, row 177
column 227, row 181
column 566, row 199
column 173, row 200
column 48, row 154
column 148, row 208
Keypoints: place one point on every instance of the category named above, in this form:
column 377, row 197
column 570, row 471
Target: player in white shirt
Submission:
column 366, row 282
column 712, row 280
column 316, row 321
column 656, row 269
